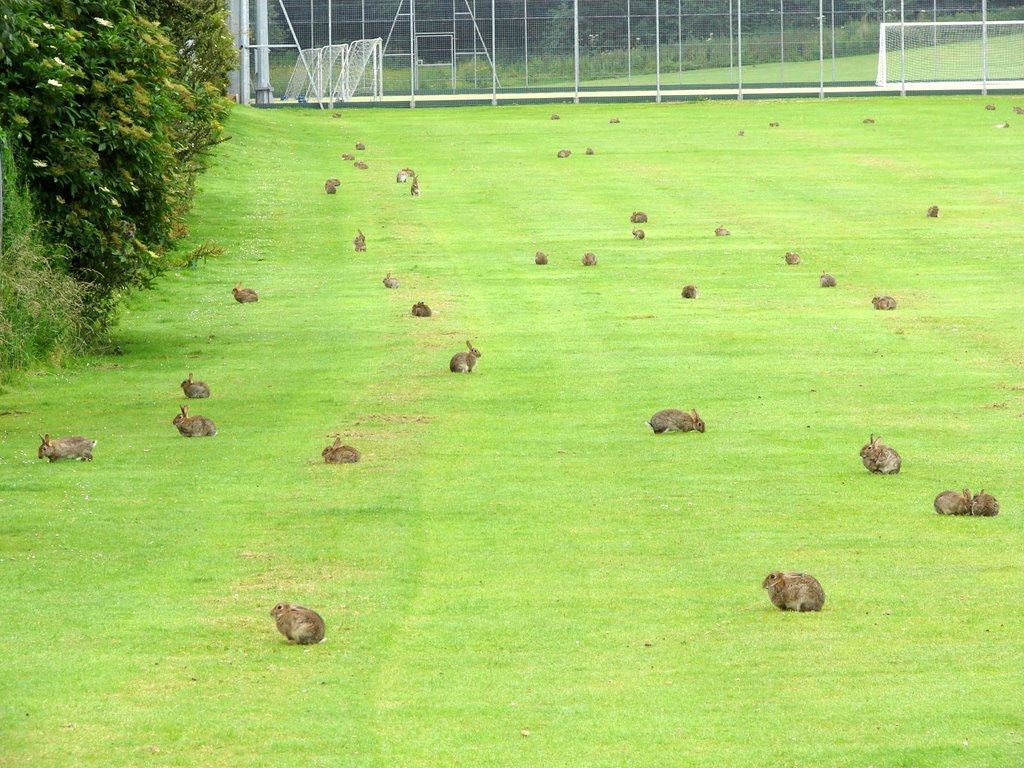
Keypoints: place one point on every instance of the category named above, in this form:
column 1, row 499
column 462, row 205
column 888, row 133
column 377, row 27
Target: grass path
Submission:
column 517, row 552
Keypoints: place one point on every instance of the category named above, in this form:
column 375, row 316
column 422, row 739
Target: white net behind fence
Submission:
column 950, row 52
column 336, row 72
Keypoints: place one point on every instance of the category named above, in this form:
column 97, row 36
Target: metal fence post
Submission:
column 412, row 53
column 903, row 52
column 494, row 61
column 657, row 52
column 984, row 47
column 821, row 48
column 576, row 50
column 739, row 50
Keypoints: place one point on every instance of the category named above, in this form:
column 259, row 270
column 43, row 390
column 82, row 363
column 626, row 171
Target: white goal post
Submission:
column 336, row 73
column 950, row 53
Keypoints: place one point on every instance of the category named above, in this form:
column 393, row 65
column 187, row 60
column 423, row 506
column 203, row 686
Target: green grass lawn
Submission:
column 519, row 573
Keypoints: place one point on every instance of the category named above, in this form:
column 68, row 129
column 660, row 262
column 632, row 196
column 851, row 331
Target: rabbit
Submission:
column 540, row 258
column 792, row 257
column 1018, row 110
column 589, row 259
column 638, row 217
column 331, row 186
column 419, row 309
column 880, row 459
column 722, row 231
column 990, row 107
column 884, row 302
column 194, row 426
column 336, row 453
column 414, row 190
column 1004, row 124
column 741, row 133
column 194, row 389
column 359, row 241
column 347, row 157
column 773, row 125
column 390, row 282
column 868, row 121
column 673, row 420
column 933, row 212
column 73, row 447
column 827, row 281
column 590, row 150
column 638, row 234
column 360, row 165
column 401, row 177
column 464, row 362
column 360, row 147
column 244, row 295
column 614, row 121
column 953, row 503
column 298, row 623
column 556, row 117
column 689, row 291
column 794, row 591
column 984, row 505
column 564, row 152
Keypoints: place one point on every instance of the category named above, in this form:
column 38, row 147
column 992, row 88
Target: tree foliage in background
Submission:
column 109, row 118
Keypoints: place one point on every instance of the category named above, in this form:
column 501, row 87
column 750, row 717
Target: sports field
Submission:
column 519, row 572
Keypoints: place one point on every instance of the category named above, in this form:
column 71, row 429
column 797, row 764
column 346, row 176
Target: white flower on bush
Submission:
column 57, row 59
column 54, row 83
column 40, row 163
column 48, row 25
column 102, row 22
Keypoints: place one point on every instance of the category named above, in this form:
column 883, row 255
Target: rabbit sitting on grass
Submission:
column 194, row 426
column 794, row 591
column 674, row 420
column 298, row 623
column 984, row 505
column 464, row 362
column 194, row 389
column 880, row 459
column 73, row 447
column 336, row 453
column 953, row 503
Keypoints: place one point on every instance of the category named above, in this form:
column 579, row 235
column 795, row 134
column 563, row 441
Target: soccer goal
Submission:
column 953, row 52
column 338, row 73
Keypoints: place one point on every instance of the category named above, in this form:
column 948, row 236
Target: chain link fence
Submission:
column 618, row 49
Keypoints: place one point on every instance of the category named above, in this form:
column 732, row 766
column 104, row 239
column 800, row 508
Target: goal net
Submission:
column 950, row 52
column 338, row 73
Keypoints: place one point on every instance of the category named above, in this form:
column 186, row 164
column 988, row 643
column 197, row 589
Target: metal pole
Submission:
column 412, row 53
column 629, row 46
column 243, row 47
column 494, row 61
column 935, row 38
column 782, row 41
column 576, row 50
column 903, row 52
column 679, row 29
column 984, row 47
column 526, row 44
column 739, row 50
column 730, row 43
column 832, row 19
column 264, row 92
column 657, row 52
column 362, row 22
column 330, row 60
column 821, row 48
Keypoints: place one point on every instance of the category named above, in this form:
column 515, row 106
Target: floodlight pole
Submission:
column 984, row 47
column 903, row 52
column 243, row 46
column 412, row 54
column 782, row 41
column 494, row 59
column 576, row 50
column 264, row 91
column 821, row 48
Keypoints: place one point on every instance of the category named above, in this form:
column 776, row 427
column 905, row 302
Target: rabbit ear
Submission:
column 694, row 414
column 45, row 439
column 468, row 344
column 184, row 410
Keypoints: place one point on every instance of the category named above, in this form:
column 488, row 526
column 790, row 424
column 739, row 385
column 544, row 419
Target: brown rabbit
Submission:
column 556, row 117
column 414, row 190
column 933, row 212
column 331, row 186
column 984, row 505
column 792, row 257
column 953, row 503
column 359, row 241
column 990, row 107
column 773, row 125
column 244, row 295
column 336, row 453
column 722, row 232
column 741, row 133
column 73, row 447
column 564, row 152
column 419, row 309
column 590, row 150
column 827, row 281
column 540, row 258
column 868, row 121
column 464, row 362
column 638, row 217
column 614, row 121
column 194, row 426
column 360, row 165
column 884, row 302
column 689, row 291
column 1018, row 110
column 794, row 591
column 360, row 147
column 390, row 282
column 880, row 459
column 299, row 624
column 347, row 157
column 638, row 234
column 402, row 176
column 589, row 259
column 673, row 420
column 194, row 389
